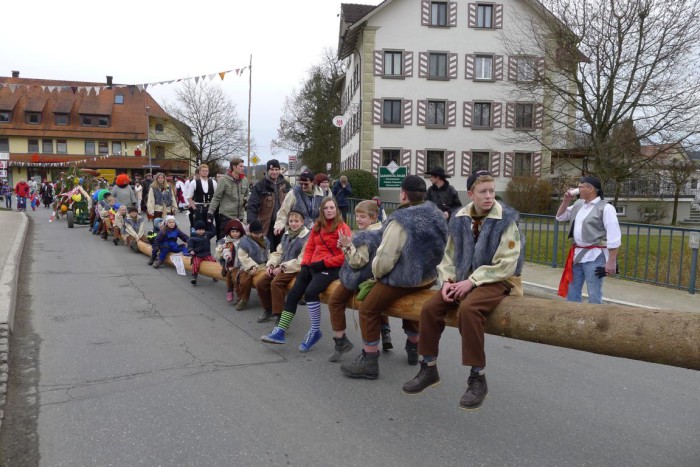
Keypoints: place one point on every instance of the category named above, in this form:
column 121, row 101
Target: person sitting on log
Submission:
column 106, row 211
column 199, row 247
column 226, row 252
column 253, row 253
column 118, row 225
column 134, row 229
column 282, row 267
column 481, row 266
column 166, row 241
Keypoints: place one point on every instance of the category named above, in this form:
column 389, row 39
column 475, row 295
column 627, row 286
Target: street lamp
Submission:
column 148, row 140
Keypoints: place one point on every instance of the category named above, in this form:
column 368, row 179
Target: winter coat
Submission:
column 323, row 246
column 230, row 196
column 201, row 245
column 251, row 254
column 342, row 193
column 125, row 195
column 445, row 197
column 161, row 200
column 265, row 200
column 290, row 251
column 169, row 236
column 22, row 189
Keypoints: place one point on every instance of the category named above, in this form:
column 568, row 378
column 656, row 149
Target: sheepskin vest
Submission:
column 291, row 248
column 257, row 254
column 308, row 207
column 469, row 256
column 352, row 278
column 426, row 231
column 162, row 197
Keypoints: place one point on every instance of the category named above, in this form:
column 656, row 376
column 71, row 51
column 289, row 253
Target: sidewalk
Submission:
column 13, row 229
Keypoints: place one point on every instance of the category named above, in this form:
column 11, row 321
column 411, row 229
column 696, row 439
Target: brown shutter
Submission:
column 466, row 163
column 537, row 164
column 420, row 162
column 451, row 113
column 495, row 168
column 422, row 112
column 468, row 106
column 452, row 14
column 425, row 12
column 406, row 159
column 378, row 62
column 539, row 116
column 510, row 115
column 452, row 65
column 423, row 64
column 508, row 164
column 471, row 15
column 498, row 16
column 469, row 66
column 450, row 163
column 512, row 68
column 407, row 114
column 498, row 67
column 376, row 161
column 496, row 109
column 408, row 64
column 376, row 111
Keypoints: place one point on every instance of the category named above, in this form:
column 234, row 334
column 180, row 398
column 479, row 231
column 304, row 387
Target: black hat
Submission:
column 595, row 183
column 296, row 211
column 272, row 163
column 438, row 172
column 255, row 227
column 413, row 183
column 472, row 178
column 200, row 225
column 306, row 175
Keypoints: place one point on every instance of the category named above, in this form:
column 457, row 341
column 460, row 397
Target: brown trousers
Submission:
column 379, row 299
column 472, row 311
column 247, row 281
column 273, row 290
column 232, row 280
column 337, row 304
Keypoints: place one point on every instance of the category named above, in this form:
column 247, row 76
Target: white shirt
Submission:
column 612, row 229
column 193, row 186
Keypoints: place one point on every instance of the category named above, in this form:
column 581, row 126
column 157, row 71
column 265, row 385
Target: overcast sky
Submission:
column 141, row 41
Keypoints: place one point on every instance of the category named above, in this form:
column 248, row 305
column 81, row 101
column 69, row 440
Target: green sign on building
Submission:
column 392, row 175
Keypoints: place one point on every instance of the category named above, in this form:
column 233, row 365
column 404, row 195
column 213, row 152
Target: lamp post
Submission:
column 148, row 140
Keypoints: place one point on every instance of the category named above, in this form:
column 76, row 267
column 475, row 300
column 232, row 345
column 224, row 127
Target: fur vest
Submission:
column 256, row 253
column 426, row 230
column 308, row 207
column 352, row 278
column 291, row 248
column 162, row 197
column 470, row 256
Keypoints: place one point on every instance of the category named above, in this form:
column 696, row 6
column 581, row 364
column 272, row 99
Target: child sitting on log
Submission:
column 166, row 241
column 253, row 253
column 199, row 246
column 158, row 226
column 118, row 226
column 226, row 249
column 134, row 229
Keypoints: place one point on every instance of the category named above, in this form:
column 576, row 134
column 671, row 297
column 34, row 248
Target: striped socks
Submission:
column 285, row 320
column 314, row 315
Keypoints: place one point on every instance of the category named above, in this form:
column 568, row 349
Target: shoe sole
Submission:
column 386, row 347
column 361, row 376
column 263, row 320
column 270, row 341
column 436, row 383
column 474, row 409
column 340, row 355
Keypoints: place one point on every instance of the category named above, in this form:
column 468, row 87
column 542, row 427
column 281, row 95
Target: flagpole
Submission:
column 250, row 88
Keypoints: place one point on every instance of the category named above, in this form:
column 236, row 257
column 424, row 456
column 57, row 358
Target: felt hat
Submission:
column 438, row 172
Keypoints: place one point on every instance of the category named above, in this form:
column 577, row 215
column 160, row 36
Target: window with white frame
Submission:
column 89, row 147
column 4, row 145
column 525, row 69
column 118, row 99
column 481, row 117
column 483, row 67
column 391, row 114
column 522, row 164
column 390, row 155
column 116, row 147
column 33, row 145
column 438, row 13
column 524, row 116
column 102, row 147
column 32, row 118
column 437, row 65
column 61, row 119
column 159, row 128
column 480, row 160
column 393, row 63
column 5, row 117
column 436, row 113
column 61, row 146
column 484, row 16
column 47, row 146
column 435, row 159
column 621, row 210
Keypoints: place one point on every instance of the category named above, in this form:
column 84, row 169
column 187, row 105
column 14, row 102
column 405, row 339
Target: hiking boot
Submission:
column 151, row 261
column 104, row 235
column 476, row 392
column 386, row 340
column 115, row 241
column 342, row 346
column 157, row 263
column 241, row 305
column 412, row 352
column 229, row 295
column 223, row 272
column 275, row 337
column 265, row 316
column 194, row 279
column 366, row 365
column 309, row 340
column 427, row 376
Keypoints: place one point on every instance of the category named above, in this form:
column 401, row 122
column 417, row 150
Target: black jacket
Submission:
column 201, row 246
column 445, row 198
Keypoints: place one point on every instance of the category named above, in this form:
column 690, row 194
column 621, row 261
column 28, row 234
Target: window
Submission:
column 4, row 145
column 160, row 152
column 523, row 116
column 102, row 121
column 484, row 16
column 118, row 99
column 61, row 119
column 483, row 65
column 86, row 120
column 47, row 146
column 159, row 128
column 102, row 147
column 693, row 181
column 480, row 160
column 526, row 69
column 522, row 164
column 89, row 147
column 621, row 210
column 116, row 147
column 436, row 113
column 393, row 63
column 482, row 115
column 32, row 118
column 392, row 112
column 5, row 117
column 33, row 145
column 438, row 13
column 61, row 146
column 438, row 65
column 389, row 155
column 435, row 159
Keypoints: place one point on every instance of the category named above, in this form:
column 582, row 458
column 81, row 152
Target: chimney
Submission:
column 109, row 81
column 15, row 73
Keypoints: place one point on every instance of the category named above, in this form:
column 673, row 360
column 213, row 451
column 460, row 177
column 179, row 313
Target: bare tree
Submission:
column 207, row 122
column 611, row 61
column 677, row 172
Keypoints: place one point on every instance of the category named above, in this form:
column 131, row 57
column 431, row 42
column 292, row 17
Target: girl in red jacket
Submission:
column 320, row 266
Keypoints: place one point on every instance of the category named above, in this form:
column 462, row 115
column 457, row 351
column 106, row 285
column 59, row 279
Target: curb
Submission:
column 8, row 277
column 545, row 291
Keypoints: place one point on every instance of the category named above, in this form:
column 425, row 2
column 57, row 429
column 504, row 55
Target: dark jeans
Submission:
column 309, row 284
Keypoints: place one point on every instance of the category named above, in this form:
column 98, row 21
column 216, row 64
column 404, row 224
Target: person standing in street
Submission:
column 146, row 184
column 306, row 198
column 596, row 236
column 161, row 198
column 265, row 201
column 442, row 193
column 480, row 267
column 22, row 192
column 230, row 196
column 199, row 195
column 342, row 191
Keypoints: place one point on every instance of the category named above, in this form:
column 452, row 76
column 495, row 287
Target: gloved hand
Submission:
column 210, row 217
column 318, row 266
column 600, row 271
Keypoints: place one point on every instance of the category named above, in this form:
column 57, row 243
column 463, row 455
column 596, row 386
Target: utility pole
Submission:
column 250, row 88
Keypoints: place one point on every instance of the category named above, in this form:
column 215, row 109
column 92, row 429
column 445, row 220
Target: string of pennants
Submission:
column 140, row 87
column 61, row 163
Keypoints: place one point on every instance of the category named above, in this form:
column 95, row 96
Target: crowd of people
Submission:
column 272, row 234
column 27, row 193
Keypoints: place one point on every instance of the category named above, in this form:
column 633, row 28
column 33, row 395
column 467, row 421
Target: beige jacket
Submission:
column 358, row 257
column 293, row 265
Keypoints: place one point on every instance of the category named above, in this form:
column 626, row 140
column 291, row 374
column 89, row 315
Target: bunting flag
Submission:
column 65, row 163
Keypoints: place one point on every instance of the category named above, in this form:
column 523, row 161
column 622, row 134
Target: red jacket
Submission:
column 22, row 189
column 323, row 246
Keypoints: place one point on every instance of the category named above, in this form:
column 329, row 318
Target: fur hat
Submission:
column 272, row 163
column 122, row 180
column 255, row 227
column 234, row 224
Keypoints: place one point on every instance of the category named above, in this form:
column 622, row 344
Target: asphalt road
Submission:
column 120, row 364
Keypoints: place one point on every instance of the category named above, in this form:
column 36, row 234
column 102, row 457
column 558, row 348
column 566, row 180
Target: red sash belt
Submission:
column 568, row 275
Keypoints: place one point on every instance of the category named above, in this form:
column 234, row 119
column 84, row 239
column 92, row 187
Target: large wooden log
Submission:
column 667, row 337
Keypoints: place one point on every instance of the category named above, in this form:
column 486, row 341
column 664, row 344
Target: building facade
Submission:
column 47, row 126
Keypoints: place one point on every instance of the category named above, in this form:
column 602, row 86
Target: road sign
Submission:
column 392, row 176
column 339, row 121
column 255, row 159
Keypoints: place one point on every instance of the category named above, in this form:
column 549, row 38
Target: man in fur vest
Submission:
column 265, row 201
column 412, row 245
column 481, row 266
column 306, row 198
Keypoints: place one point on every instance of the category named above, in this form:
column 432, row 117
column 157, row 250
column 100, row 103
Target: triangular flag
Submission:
column 74, row 89
column 238, row 71
column 196, row 79
column 222, row 74
column 211, row 76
